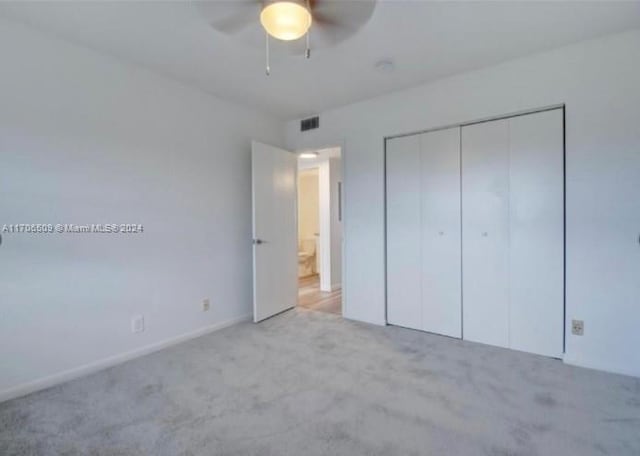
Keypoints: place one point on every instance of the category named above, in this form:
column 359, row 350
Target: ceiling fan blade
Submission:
column 351, row 14
column 233, row 24
column 335, row 21
column 328, row 35
column 231, row 16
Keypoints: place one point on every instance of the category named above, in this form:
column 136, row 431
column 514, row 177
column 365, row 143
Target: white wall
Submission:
column 598, row 81
column 87, row 139
column 335, row 177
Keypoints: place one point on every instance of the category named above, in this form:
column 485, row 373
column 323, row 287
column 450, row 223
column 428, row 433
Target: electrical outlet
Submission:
column 137, row 324
column 206, row 304
column 577, row 327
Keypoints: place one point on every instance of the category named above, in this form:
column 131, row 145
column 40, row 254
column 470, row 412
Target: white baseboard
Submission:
column 347, row 316
column 90, row 368
column 600, row 366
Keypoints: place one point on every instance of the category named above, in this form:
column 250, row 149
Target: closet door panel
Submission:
column 537, row 233
column 441, row 284
column 485, row 232
column 404, row 288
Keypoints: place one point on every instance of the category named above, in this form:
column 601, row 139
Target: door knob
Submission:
column 485, row 234
column 258, row 241
column 441, row 233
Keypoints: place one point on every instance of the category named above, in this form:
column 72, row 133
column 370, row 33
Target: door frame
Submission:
column 313, row 146
column 525, row 112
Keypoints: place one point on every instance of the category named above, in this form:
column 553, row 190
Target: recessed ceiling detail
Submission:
column 385, row 66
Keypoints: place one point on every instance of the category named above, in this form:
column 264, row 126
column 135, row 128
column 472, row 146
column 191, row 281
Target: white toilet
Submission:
column 306, row 257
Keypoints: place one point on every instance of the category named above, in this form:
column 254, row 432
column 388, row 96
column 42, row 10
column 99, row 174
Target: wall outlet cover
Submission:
column 206, row 304
column 577, row 327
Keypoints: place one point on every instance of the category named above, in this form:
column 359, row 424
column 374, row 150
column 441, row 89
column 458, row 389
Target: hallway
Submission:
column 310, row 297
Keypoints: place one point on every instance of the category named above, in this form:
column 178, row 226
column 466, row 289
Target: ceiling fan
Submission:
column 325, row 22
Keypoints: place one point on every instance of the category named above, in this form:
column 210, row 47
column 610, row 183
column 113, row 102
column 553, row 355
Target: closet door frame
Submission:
column 561, row 106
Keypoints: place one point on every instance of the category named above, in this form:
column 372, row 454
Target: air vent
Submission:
column 310, row 124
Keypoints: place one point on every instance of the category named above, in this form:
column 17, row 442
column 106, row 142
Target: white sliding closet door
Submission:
column 441, row 284
column 423, row 232
column 513, row 232
column 485, row 232
column 404, row 281
column 475, row 232
column 536, row 205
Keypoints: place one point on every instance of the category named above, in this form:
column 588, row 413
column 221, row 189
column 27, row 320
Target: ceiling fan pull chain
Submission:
column 268, row 67
column 307, row 52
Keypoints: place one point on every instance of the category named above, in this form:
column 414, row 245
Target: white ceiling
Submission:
column 426, row 41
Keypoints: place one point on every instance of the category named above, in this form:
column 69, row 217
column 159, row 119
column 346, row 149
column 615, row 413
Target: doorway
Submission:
column 320, row 230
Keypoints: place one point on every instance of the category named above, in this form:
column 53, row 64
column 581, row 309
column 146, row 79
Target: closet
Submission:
column 423, row 232
column 475, row 232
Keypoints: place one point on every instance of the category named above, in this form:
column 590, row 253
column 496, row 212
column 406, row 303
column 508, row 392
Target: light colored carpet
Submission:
column 309, row 383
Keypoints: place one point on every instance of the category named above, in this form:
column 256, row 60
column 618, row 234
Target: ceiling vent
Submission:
column 310, row 124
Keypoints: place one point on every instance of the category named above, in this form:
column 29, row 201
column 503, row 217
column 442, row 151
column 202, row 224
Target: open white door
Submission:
column 275, row 232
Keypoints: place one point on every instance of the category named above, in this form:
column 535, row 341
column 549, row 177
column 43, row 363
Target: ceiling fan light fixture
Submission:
column 286, row 20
